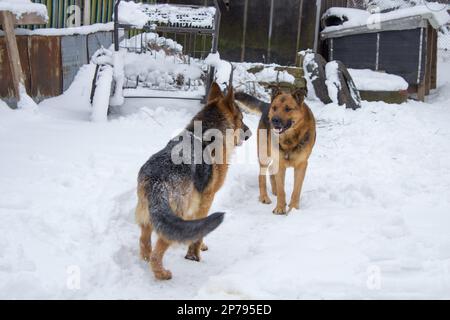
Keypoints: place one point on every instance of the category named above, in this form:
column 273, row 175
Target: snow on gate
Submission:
column 149, row 65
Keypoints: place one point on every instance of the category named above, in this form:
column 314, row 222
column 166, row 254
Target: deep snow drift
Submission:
column 374, row 219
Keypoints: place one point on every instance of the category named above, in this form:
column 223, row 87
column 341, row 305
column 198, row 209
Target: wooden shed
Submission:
column 403, row 42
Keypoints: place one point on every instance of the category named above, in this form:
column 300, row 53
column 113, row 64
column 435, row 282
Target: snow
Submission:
column 373, row 223
column 223, row 68
column 21, row 7
column 434, row 12
column 132, row 13
column 119, row 78
column 308, row 59
column 444, row 40
column 270, row 75
column 150, row 60
column 139, row 15
column 25, row 101
column 100, row 103
column 333, row 83
column 369, row 80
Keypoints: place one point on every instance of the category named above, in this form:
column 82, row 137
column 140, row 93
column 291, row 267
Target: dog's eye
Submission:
column 287, row 109
column 274, row 108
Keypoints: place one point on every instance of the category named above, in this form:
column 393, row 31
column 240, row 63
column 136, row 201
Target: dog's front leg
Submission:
column 299, row 177
column 281, row 194
column 262, row 179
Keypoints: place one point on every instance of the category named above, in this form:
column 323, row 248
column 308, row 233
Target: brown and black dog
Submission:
column 174, row 197
column 286, row 137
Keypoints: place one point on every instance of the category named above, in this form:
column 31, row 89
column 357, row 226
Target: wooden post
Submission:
column 434, row 61
column 299, row 30
column 269, row 45
column 7, row 21
column 244, row 31
column 429, row 60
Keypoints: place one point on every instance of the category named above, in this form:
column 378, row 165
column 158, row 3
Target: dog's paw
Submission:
column 279, row 210
column 204, row 247
column 265, row 199
column 145, row 254
column 192, row 257
column 163, row 274
column 294, row 205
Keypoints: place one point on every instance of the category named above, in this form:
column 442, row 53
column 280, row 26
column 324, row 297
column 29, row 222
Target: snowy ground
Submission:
column 374, row 219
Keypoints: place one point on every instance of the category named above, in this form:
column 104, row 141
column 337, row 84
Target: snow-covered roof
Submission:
column 139, row 15
column 355, row 20
column 21, row 7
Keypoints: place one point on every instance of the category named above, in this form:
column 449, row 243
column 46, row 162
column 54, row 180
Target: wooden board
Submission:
column 7, row 88
column 7, row 22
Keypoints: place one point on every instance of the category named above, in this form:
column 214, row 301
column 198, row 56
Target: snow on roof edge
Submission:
column 360, row 18
column 83, row 30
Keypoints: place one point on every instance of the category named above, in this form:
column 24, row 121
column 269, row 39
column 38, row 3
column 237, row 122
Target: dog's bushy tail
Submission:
column 174, row 228
column 250, row 103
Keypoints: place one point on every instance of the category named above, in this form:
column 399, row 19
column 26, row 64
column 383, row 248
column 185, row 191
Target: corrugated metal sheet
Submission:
column 45, row 62
column 6, row 87
column 101, row 11
column 50, row 64
column 97, row 40
column 77, row 50
column 73, row 56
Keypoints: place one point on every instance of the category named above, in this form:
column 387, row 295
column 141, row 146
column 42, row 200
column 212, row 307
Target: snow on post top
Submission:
column 139, row 15
column 21, row 7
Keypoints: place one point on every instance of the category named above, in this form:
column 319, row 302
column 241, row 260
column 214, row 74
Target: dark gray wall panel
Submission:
column 357, row 51
column 399, row 53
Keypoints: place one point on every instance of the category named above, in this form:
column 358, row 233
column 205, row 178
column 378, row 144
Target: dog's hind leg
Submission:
column 299, row 177
column 143, row 219
column 145, row 244
column 156, row 260
column 194, row 249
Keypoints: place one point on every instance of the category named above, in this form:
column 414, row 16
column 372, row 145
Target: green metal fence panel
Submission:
column 101, row 11
column 58, row 11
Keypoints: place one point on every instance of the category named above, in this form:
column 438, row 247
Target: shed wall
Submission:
column 399, row 52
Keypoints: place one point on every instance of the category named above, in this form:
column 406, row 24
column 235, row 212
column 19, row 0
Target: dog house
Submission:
column 401, row 42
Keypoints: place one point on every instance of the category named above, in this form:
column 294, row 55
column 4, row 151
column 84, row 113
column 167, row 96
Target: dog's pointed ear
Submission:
column 276, row 91
column 215, row 92
column 229, row 98
column 299, row 95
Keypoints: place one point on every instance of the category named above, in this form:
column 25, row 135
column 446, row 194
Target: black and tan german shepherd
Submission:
column 174, row 198
column 286, row 137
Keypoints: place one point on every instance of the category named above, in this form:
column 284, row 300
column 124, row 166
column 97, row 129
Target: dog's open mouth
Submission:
column 282, row 129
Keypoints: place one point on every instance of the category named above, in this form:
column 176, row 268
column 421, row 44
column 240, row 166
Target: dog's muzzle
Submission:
column 279, row 126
